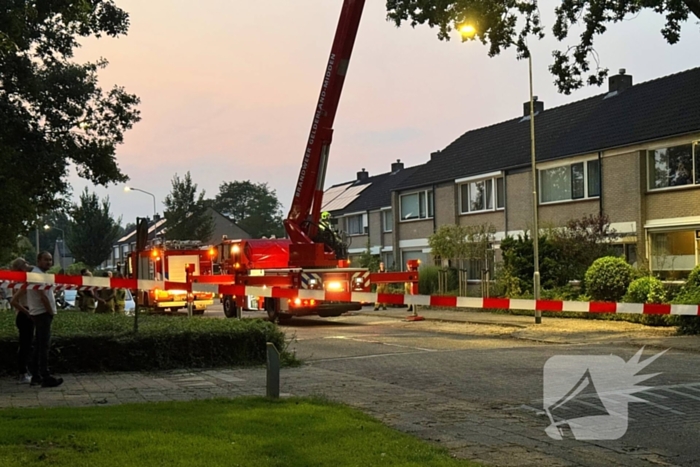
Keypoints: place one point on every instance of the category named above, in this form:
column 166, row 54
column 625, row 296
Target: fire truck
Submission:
column 314, row 256
column 168, row 261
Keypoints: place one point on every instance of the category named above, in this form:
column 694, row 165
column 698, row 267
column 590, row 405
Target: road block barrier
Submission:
column 37, row 281
column 64, row 282
column 453, row 302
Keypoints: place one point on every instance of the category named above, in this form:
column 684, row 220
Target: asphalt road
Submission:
column 487, row 369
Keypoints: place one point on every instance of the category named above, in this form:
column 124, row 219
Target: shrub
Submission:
column 645, row 290
column 608, row 278
column 84, row 342
column 689, row 295
column 693, row 281
column 428, row 280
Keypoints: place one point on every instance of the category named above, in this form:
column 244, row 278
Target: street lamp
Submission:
column 63, row 243
column 535, row 227
column 468, row 32
column 155, row 223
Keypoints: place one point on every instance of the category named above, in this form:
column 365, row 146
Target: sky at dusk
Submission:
column 228, row 89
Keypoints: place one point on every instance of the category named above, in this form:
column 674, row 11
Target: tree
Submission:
column 53, row 113
column 253, row 206
column 93, row 230
column 186, row 213
column 503, row 24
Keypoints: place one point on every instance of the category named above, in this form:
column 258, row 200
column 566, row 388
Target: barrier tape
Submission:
column 46, row 281
column 36, row 281
column 454, row 302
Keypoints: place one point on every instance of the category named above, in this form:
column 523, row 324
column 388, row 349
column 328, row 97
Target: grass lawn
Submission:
column 239, row 432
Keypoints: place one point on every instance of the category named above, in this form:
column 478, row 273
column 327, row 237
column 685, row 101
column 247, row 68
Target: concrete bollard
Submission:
column 273, row 371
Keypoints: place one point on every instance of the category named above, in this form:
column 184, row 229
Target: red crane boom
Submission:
column 302, row 222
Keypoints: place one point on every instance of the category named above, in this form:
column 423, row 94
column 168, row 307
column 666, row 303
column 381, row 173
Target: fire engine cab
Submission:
column 168, row 261
column 265, row 262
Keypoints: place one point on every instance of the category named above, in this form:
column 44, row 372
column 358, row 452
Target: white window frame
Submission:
column 427, row 208
column 586, row 196
column 494, row 193
column 695, row 156
column 387, row 227
column 363, row 224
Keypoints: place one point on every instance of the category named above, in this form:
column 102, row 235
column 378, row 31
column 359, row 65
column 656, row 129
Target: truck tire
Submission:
column 230, row 307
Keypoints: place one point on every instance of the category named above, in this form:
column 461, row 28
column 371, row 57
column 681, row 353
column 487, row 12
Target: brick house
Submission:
column 632, row 153
column 363, row 210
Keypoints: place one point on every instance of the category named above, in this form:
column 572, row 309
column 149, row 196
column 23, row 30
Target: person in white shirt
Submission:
column 24, row 323
column 42, row 307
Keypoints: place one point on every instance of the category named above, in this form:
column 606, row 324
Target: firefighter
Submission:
column 119, row 297
column 105, row 299
column 325, row 223
column 381, row 288
column 85, row 299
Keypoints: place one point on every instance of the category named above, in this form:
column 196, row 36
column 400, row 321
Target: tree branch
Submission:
column 693, row 6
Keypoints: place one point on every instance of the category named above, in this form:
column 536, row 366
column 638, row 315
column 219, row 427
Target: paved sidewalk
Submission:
column 559, row 330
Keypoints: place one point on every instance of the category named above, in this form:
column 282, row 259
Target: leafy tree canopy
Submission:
column 186, row 212
column 53, row 113
column 504, row 24
column 93, row 230
column 253, row 206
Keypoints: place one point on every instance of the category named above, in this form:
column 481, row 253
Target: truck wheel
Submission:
column 229, row 307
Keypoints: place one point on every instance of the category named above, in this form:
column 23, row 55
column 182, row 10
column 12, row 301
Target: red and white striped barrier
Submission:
column 36, row 281
column 45, row 281
column 453, row 302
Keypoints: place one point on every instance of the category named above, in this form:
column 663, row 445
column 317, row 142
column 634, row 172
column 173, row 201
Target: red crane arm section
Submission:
column 308, row 194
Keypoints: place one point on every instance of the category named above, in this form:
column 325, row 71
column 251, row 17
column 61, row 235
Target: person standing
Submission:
column 24, row 323
column 42, row 307
column 105, row 298
column 85, row 300
column 381, row 288
column 119, row 297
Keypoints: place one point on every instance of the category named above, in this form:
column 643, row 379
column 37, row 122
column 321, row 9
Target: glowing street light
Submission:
column 47, row 227
column 467, row 30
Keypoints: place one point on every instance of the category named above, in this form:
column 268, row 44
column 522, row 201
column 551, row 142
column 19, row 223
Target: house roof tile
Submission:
column 653, row 110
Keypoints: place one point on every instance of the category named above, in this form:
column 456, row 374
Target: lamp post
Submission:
column 535, row 227
column 468, row 32
column 155, row 224
column 63, row 243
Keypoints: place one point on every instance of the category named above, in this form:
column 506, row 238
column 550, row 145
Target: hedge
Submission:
column 84, row 342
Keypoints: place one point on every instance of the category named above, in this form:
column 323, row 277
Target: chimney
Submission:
column 433, row 155
column 396, row 166
column 619, row 82
column 362, row 176
column 156, row 217
column 538, row 105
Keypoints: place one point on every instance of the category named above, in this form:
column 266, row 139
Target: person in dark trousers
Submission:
column 42, row 307
column 24, row 323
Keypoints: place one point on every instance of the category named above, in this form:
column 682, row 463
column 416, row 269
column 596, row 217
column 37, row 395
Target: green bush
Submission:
column 693, row 281
column 428, row 280
column 608, row 278
column 645, row 290
column 649, row 289
column 689, row 295
column 84, row 342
